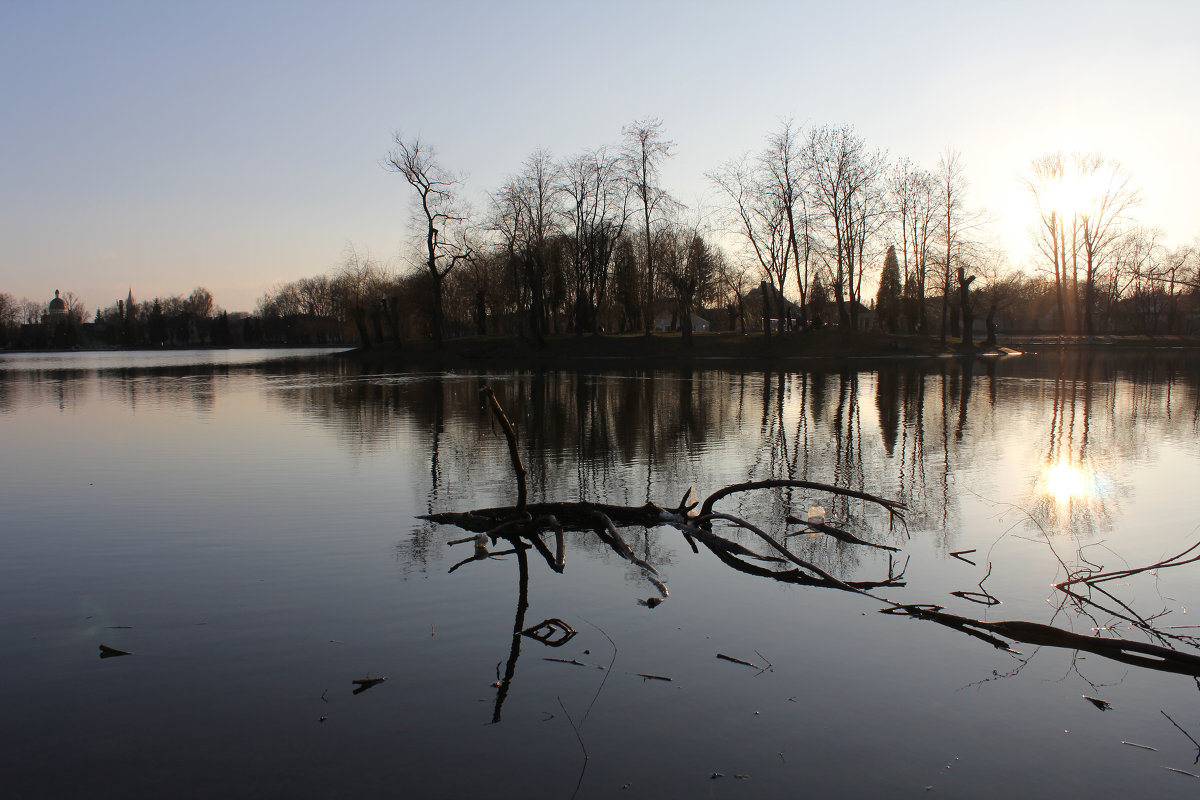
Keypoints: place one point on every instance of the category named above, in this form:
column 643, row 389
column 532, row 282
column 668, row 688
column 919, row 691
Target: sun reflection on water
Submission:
column 1067, row 482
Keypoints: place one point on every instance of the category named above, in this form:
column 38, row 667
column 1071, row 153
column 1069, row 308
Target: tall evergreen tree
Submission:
column 887, row 302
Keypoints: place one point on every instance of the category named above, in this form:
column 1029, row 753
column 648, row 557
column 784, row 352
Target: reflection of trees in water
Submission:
column 1105, row 413
column 623, row 438
column 70, row 389
column 63, row 389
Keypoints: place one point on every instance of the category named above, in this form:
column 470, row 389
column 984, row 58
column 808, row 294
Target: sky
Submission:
column 156, row 147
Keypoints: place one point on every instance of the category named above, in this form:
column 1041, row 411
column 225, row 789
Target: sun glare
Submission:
column 1077, row 188
column 1066, row 482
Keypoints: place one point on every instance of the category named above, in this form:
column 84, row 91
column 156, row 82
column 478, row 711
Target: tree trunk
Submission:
column 968, row 315
column 480, row 314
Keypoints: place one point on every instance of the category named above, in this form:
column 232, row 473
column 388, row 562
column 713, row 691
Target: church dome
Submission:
column 57, row 303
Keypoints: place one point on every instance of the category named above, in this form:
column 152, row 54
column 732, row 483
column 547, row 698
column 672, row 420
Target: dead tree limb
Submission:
column 510, row 434
column 894, row 507
column 1100, row 577
column 836, row 533
column 1142, row 654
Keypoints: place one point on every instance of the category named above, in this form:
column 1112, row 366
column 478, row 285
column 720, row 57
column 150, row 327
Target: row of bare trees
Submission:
column 1107, row 270
column 807, row 226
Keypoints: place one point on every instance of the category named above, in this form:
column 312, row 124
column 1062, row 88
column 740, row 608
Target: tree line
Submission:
column 168, row 321
column 814, row 228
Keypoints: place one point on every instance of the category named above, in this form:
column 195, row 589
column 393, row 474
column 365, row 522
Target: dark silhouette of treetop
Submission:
column 438, row 197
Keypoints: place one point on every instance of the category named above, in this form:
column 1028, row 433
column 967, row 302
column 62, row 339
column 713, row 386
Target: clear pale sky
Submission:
column 163, row 145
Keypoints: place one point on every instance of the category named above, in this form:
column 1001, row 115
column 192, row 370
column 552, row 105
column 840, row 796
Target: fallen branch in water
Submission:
column 524, row 524
column 1094, row 578
column 1142, row 654
column 510, row 434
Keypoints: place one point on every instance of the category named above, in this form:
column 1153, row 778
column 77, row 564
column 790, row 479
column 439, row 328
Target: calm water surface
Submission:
column 247, row 528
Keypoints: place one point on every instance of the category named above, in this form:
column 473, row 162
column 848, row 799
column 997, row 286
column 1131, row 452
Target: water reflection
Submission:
column 258, row 498
column 911, row 430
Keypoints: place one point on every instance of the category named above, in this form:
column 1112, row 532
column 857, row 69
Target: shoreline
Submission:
column 723, row 349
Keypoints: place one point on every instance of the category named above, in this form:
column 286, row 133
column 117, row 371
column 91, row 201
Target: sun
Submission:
column 1080, row 182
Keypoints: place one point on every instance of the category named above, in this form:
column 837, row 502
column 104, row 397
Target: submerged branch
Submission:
column 530, row 521
column 894, row 507
column 1142, row 654
column 836, row 533
column 510, row 434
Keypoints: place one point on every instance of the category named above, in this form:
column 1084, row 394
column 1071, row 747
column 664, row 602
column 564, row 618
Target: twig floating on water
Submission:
column 552, row 632
column 112, row 652
column 982, row 598
column 1141, row 746
column 653, row 677
column 1185, row 733
column 738, row 661
column 566, row 661
column 1182, row 772
column 1103, row 705
column 961, row 555
column 366, row 683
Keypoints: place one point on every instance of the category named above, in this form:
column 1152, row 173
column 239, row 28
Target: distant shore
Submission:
column 723, row 349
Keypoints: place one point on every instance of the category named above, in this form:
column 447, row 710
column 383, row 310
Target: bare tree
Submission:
column 76, row 310
column 732, row 285
column 528, row 212
column 769, row 208
column 1043, row 181
column 1001, row 288
column 845, row 180
column 914, row 208
column 597, row 210
column 440, row 206
column 8, row 310
column 358, row 287
column 761, row 220
column 960, row 246
column 1134, row 271
column 30, row 312
column 1108, row 199
column 645, row 148
column 199, row 303
column 782, row 162
column 689, row 271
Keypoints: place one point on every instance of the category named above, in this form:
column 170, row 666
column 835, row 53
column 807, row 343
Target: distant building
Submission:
column 56, row 311
column 671, row 322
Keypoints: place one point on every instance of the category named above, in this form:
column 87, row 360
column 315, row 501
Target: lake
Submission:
column 246, row 526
